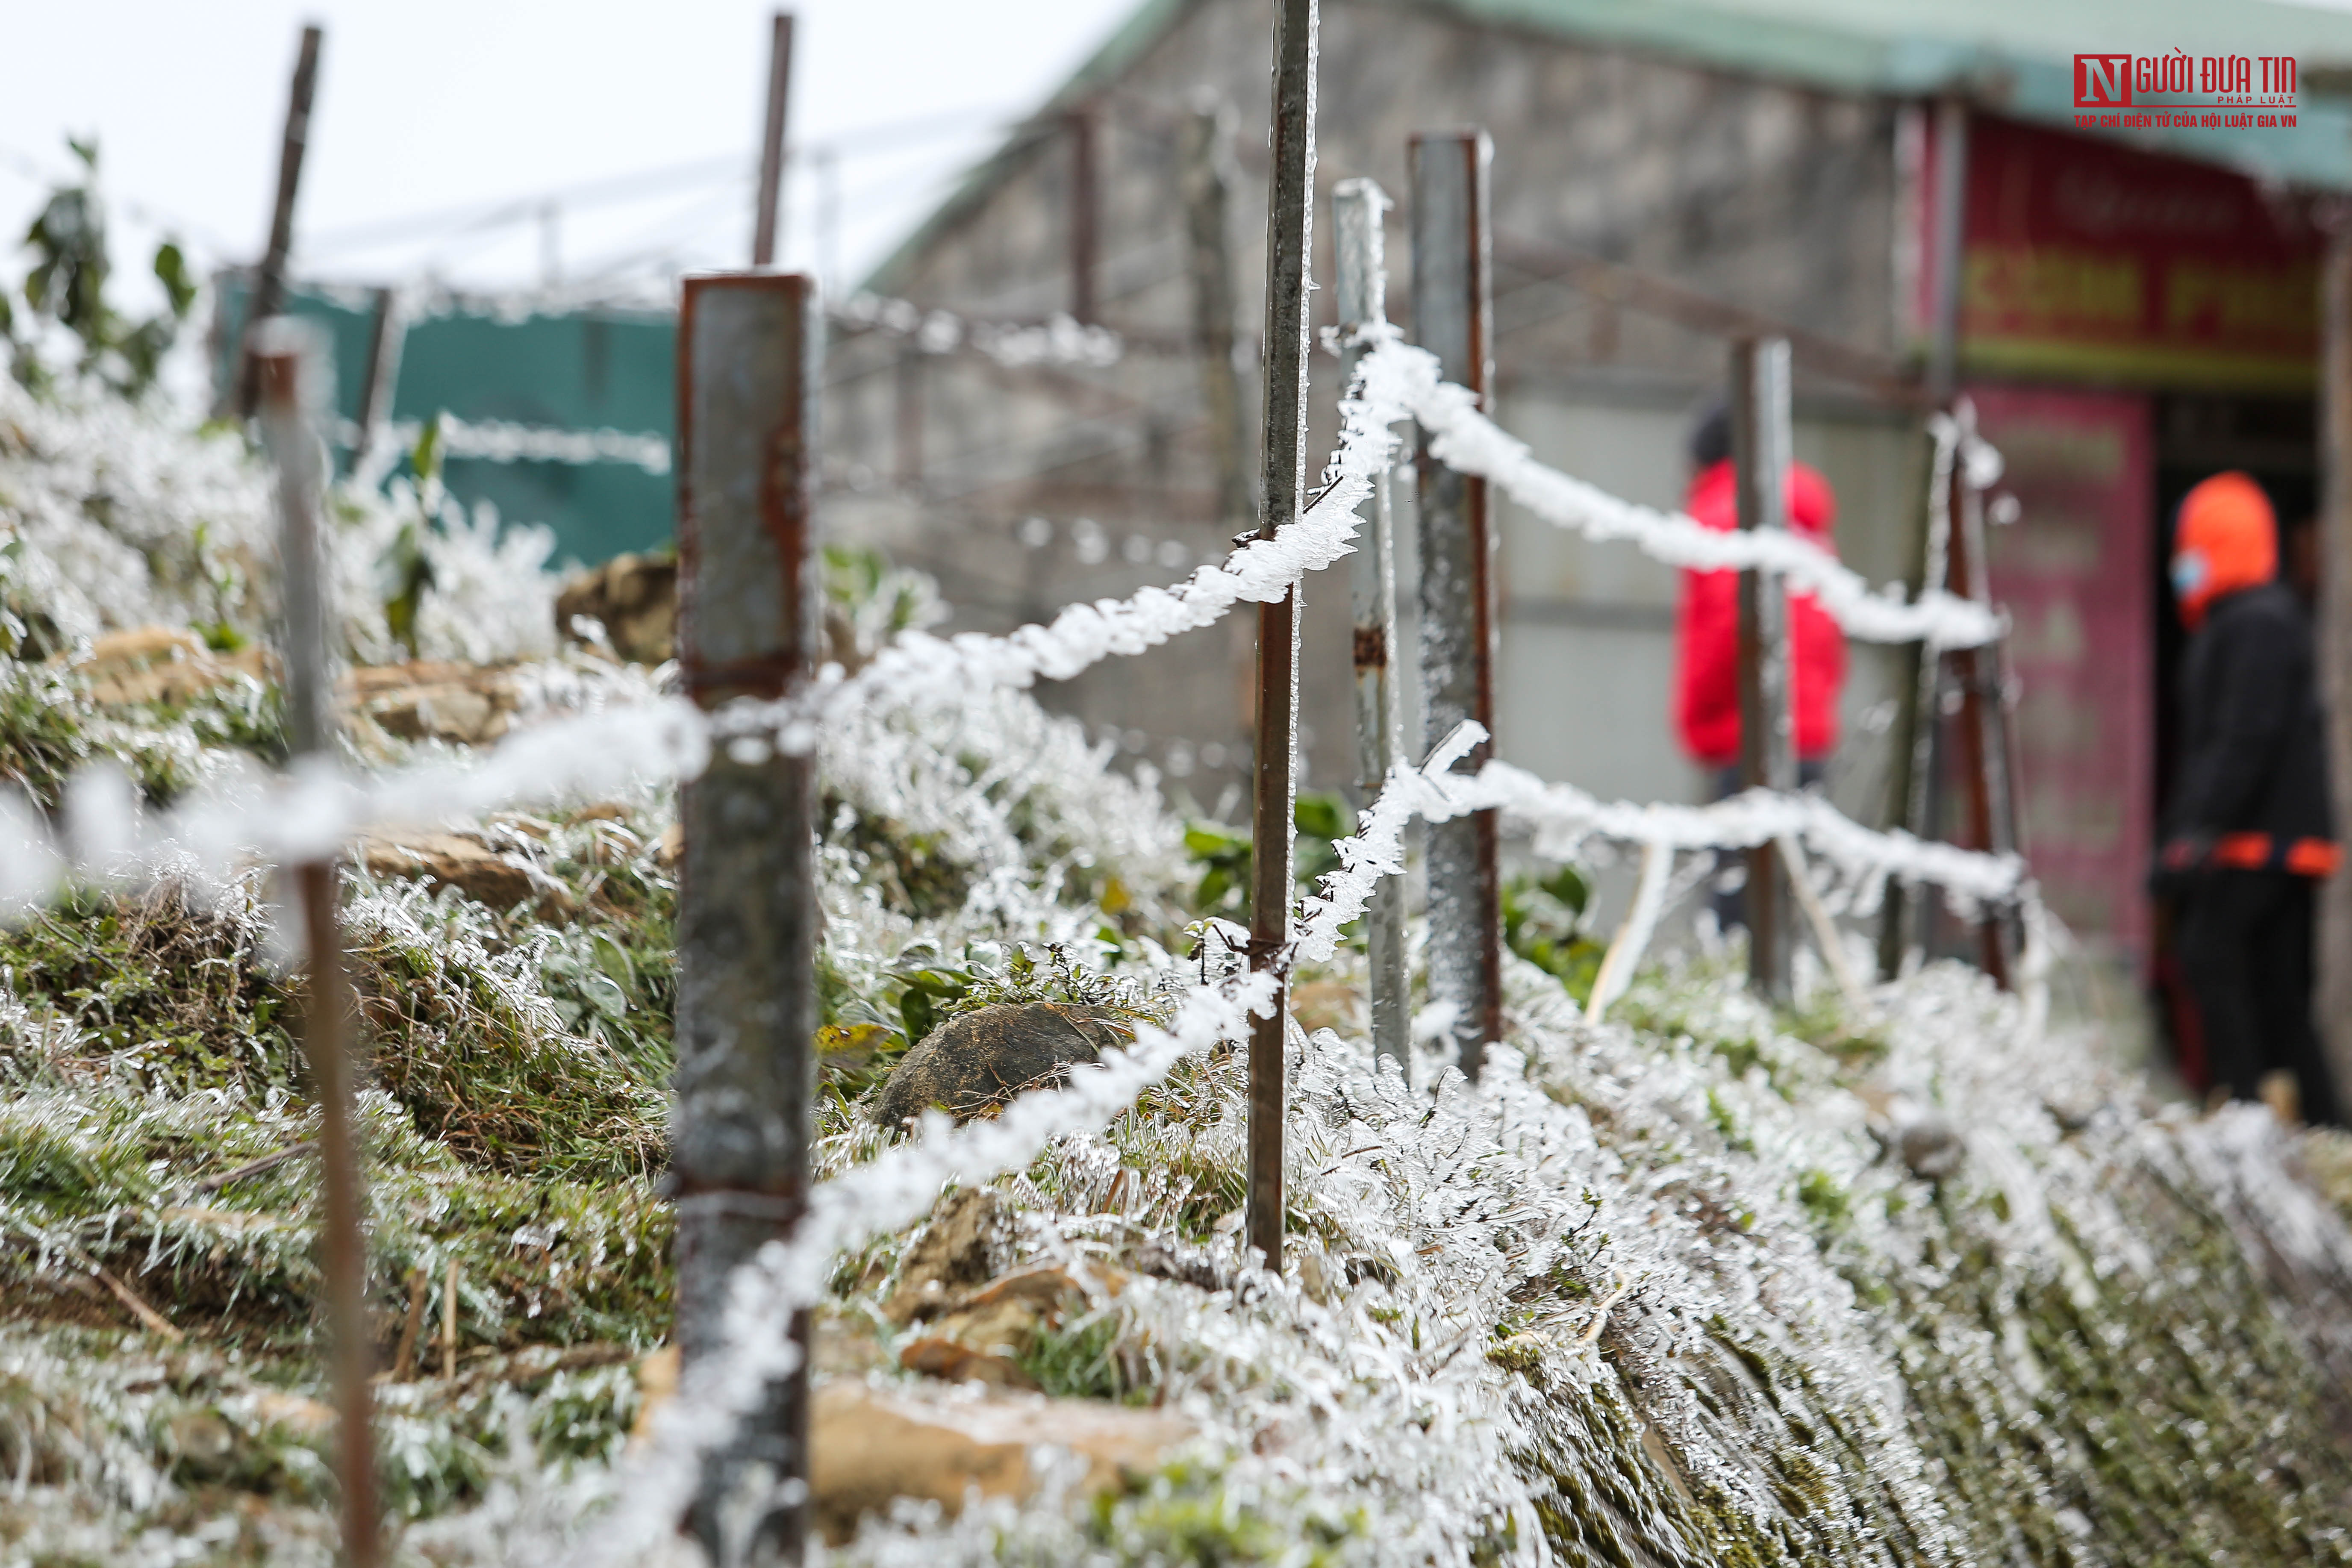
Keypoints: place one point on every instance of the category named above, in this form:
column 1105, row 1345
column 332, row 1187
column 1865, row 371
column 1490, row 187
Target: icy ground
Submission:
column 1673, row 1289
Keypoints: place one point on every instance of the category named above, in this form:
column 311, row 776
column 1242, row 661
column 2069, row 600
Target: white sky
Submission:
column 425, row 106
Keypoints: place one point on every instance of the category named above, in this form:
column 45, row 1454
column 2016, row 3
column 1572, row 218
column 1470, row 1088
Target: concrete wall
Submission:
column 1770, row 197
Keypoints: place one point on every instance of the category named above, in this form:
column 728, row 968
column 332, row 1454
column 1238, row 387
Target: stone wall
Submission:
column 1777, row 199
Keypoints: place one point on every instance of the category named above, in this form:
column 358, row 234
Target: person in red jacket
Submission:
column 1707, row 629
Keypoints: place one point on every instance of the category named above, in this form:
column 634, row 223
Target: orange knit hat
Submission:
column 2227, row 539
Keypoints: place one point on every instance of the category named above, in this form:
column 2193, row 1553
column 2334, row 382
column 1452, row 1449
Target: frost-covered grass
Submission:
column 1664, row 1290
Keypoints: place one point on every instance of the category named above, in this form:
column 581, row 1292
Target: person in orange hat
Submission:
column 2249, row 835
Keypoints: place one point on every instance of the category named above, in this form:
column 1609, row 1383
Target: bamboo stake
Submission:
column 1290, row 220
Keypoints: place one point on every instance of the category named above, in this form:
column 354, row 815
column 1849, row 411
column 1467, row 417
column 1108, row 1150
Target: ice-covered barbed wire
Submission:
column 1059, row 339
column 886, row 1195
column 901, row 1184
column 503, row 441
column 1406, row 379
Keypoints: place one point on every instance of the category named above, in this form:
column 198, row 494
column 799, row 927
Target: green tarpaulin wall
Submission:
column 580, row 370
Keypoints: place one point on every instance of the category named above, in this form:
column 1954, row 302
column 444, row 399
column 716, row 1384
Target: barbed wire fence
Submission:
column 758, row 1245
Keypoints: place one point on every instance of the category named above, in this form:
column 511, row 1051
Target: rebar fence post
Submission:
column 1205, row 159
column 745, row 1081
column 1289, row 230
column 292, row 379
column 1453, row 315
column 1358, row 207
column 269, row 285
column 767, row 220
column 1761, row 455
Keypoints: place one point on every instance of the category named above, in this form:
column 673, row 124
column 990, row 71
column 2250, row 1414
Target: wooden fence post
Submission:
column 1453, row 312
column 1289, row 230
column 1357, row 210
column 292, row 381
column 767, row 222
column 1204, row 155
column 1768, row 759
column 270, row 286
column 746, row 1079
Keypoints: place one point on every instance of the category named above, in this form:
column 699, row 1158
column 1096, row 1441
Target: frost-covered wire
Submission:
column 1061, row 339
column 875, row 1199
column 1407, row 380
column 503, row 441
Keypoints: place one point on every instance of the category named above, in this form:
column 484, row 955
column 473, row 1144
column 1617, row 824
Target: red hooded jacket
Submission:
column 1706, row 630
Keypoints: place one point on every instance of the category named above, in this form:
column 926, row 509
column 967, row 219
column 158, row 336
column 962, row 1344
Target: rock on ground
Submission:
column 977, row 1061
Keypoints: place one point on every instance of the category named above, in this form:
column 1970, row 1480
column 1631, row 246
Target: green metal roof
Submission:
column 2013, row 56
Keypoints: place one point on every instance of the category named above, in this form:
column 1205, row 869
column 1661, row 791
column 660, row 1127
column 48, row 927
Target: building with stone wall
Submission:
column 1768, row 160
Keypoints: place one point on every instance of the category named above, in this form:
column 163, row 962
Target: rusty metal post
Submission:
column 292, row 380
column 1911, row 778
column 767, row 224
column 1358, row 207
column 1981, row 751
column 1453, row 316
column 1205, row 171
column 746, row 1081
column 1768, row 759
column 269, row 285
column 907, row 415
column 1289, row 235
column 1085, row 209
column 387, row 336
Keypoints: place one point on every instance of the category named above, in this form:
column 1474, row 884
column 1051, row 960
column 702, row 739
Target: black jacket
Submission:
column 2253, row 742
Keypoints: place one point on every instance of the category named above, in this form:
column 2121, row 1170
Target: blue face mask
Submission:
column 2189, row 573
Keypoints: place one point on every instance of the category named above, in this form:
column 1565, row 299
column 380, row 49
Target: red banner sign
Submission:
column 2075, row 574
column 2088, row 260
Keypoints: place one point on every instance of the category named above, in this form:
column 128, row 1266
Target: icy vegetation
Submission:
column 115, row 514
column 1915, row 1276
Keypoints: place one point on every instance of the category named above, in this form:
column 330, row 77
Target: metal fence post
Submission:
column 1357, row 210
column 1759, row 444
column 767, row 221
column 269, row 284
column 1983, row 749
column 292, row 379
column 1086, row 212
column 1912, row 777
column 746, row 1080
column 1453, row 312
column 1290, row 225
column 1204, row 156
